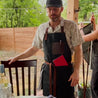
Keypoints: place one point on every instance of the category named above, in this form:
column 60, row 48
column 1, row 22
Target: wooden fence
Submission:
column 17, row 39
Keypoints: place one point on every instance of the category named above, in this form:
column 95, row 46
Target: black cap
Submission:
column 53, row 3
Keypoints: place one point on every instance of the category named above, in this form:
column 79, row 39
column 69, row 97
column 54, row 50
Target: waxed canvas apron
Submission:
column 94, row 80
column 54, row 45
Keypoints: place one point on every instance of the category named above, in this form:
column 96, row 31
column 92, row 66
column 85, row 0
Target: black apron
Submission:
column 54, row 45
column 86, row 46
column 94, row 80
column 95, row 55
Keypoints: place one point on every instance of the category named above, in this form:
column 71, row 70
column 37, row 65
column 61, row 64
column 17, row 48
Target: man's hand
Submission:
column 12, row 60
column 92, row 18
column 74, row 78
column 29, row 52
column 93, row 21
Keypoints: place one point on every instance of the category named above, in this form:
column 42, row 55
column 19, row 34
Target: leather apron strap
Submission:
column 50, row 72
column 46, row 34
column 50, row 79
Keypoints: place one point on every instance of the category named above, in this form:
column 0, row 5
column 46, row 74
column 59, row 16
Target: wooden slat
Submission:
column 35, row 71
column 24, row 38
column 23, row 81
column 6, row 43
column 17, row 81
column 30, row 34
column 20, row 63
column 25, row 46
column 10, row 75
column 22, row 42
column 29, row 86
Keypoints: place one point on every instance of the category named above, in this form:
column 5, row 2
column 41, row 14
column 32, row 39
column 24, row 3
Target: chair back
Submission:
column 21, row 65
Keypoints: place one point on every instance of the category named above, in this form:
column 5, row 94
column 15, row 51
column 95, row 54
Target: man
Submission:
column 93, row 37
column 57, row 37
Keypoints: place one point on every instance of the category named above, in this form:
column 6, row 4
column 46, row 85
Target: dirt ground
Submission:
column 5, row 55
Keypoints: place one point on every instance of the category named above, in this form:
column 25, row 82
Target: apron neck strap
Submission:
column 62, row 28
column 46, row 33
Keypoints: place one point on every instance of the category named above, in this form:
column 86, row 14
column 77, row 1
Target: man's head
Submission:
column 54, row 9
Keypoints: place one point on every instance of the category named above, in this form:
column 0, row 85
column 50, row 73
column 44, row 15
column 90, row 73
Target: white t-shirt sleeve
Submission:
column 37, row 42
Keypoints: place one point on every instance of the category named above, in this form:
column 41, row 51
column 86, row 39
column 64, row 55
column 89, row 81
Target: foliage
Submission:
column 82, row 85
column 21, row 13
column 64, row 13
column 81, row 91
column 86, row 9
column 24, row 13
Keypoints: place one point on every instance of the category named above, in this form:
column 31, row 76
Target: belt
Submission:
column 50, row 79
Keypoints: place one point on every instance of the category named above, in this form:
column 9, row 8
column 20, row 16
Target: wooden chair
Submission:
column 22, row 64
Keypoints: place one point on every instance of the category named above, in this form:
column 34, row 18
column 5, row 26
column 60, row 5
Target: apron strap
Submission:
column 46, row 34
column 50, row 79
column 54, row 87
column 62, row 28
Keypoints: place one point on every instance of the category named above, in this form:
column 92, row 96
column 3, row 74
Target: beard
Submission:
column 54, row 18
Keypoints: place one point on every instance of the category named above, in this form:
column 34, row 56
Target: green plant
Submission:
column 82, row 89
